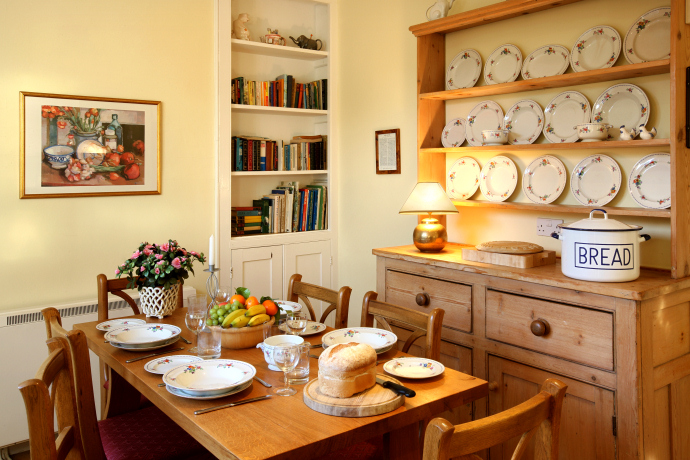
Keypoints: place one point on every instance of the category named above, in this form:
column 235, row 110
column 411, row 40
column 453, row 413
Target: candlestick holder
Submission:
column 212, row 285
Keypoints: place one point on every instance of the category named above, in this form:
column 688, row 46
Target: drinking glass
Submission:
column 224, row 293
column 209, row 342
column 196, row 316
column 285, row 356
column 300, row 374
column 296, row 322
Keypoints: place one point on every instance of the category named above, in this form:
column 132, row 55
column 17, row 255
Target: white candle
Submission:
column 211, row 251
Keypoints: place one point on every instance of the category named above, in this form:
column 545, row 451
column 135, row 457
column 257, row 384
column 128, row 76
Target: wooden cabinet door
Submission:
column 312, row 261
column 587, row 417
column 259, row 269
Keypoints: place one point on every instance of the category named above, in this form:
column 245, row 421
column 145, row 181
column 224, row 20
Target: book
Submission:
column 262, row 156
column 247, row 224
column 263, row 204
column 245, row 219
column 253, row 213
column 288, row 192
column 318, row 208
column 270, row 222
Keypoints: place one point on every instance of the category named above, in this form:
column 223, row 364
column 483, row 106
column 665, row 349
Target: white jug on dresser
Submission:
column 439, row 9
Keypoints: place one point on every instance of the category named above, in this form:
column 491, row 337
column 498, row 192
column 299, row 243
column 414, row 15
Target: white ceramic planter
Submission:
column 159, row 302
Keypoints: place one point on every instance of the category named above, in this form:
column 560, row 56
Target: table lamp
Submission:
column 429, row 198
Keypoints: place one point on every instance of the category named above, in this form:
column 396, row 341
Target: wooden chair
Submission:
column 337, row 300
column 540, row 415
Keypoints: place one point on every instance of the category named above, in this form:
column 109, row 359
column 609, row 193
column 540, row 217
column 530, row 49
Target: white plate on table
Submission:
column 119, row 322
column 164, row 364
column 414, row 368
column 503, row 65
column 463, row 178
column 649, row 38
column 596, row 180
column 313, row 327
column 146, row 347
column 562, row 113
column 210, row 377
column 380, row 339
column 463, row 71
column 544, row 179
column 143, row 335
column 622, row 105
column 454, row 133
column 483, row 116
column 498, row 178
column 597, row 48
column 288, row 306
column 650, row 181
column 546, row 61
column 184, row 394
column 525, row 121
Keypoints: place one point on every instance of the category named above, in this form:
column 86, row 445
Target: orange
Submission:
column 251, row 301
column 237, row 298
column 271, row 307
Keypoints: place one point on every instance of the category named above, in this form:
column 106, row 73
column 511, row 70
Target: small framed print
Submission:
column 388, row 151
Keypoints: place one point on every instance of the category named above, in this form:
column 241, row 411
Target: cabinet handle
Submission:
column 540, row 327
column 423, row 299
column 493, row 386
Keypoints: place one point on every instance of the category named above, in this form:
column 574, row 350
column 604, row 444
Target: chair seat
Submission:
column 147, row 434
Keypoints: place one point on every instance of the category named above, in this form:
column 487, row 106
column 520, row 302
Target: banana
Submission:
column 231, row 316
column 259, row 319
column 240, row 321
column 256, row 310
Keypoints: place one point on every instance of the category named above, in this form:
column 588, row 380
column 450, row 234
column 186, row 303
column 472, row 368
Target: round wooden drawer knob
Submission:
column 539, row 327
column 493, row 386
column 423, row 299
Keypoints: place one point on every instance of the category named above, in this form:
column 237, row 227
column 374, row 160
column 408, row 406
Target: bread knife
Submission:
column 396, row 388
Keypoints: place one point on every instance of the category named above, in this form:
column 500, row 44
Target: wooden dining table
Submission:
column 284, row 427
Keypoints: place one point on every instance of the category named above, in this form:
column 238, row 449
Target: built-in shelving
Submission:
column 242, row 108
column 564, row 208
column 640, row 143
column 264, row 49
column 279, row 173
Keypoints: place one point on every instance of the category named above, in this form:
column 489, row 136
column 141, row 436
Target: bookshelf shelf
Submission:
column 564, row 208
column 279, row 173
column 640, row 143
column 264, row 49
column 241, row 108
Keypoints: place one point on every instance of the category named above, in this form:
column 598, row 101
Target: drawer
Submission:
column 574, row 333
column 454, row 298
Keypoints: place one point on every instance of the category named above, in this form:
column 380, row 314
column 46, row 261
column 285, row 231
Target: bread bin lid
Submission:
column 600, row 225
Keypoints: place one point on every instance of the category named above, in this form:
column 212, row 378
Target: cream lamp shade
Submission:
column 429, row 198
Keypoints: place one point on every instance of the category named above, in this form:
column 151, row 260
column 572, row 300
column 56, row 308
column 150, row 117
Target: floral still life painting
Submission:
column 75, row 146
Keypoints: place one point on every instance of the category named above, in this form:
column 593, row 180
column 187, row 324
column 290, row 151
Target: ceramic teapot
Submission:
column 307, row 43
column 439, row 9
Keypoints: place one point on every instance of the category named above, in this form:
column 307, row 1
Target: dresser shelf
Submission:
column 640, row 143
column 264, row 49
column 565, row 208
column 266, row 109
column 279, row 173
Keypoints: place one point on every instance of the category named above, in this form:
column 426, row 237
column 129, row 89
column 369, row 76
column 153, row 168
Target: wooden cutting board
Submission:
column 374, row 401
column 510, row 247
column 510, row 260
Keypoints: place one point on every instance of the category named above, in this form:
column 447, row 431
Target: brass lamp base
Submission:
column 430, row 235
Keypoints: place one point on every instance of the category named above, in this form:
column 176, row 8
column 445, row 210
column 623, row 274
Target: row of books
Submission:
column 262, row 154
column 284, row 91
column 288, row 208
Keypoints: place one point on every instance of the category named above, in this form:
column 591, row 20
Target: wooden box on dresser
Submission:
column 623, row 349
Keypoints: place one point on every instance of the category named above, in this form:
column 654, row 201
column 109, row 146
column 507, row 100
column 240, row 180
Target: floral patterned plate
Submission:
column 164, row 364
column 145, row 347
column 414, row 368
column 596, row 180
column 648, row 39
column 546, row 61
column 287, row 306
column 463, row 178
column 525, row 121
column 544, row 179
column 119, row 322
column 380, row 339
column 212, row 376
column 464, row 70
column 498, row 178
column 145, row 334
column 454, row 133
column 485, row 115
column 184, row 394
column 566, row 110
column 623, row 105
column 503, row 65
column 650, row 181
column 312, row 328
column 598, row 48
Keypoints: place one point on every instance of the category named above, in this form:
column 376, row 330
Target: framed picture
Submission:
column 388, row 151
column 76, row 146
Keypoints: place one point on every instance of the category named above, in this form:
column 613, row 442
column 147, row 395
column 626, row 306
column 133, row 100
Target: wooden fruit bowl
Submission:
column 244, row 337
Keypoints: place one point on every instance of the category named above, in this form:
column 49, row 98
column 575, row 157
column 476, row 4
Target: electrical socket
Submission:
column 545, row 227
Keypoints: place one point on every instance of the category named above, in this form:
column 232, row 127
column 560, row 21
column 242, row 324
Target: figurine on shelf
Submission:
column 644, row 134
column 239, row 27
column 272, row 38
column 308, row 43
column 627, row 135
column 439, row 9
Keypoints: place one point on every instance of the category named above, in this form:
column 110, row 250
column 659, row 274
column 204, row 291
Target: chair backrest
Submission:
column 423, row 324
column 540, row 415
column 115, row 287
column 338, row 301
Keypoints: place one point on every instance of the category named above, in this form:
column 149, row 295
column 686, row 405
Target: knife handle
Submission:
column 399, row 389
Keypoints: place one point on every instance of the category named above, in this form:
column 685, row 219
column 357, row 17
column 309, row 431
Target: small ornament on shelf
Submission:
column 627, row 135
column 644, row 134
column 272, row 38
column 239, row 27
column 308, row 43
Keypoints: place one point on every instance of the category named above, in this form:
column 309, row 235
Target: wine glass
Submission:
column 196, row 316
column 296, row 322
column 285, row 356
column 224, row 293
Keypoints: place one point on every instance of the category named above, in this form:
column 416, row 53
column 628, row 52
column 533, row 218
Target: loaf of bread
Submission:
column 346, row 369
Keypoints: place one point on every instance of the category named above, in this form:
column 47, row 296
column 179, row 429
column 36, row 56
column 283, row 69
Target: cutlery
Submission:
column 396, row 388
column 319, row 345
column 244, row 401
column 161, row 384
column 154, row 354
column 188, row 342
column 267, row 385
column 313, row 356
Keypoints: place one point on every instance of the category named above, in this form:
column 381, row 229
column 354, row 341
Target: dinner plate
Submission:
column 380, row 339
column 212, row 376
column 503, row 65
column 288, row 306
column 414, row 368
column 498, row 178
column 313, row 327
column 463, row 178
column 454, row 133
column 485, row 115
column 145, row 334
column 622, row 105
column 649, row 38
column 119, row 322
column 546, row 61
column 464, row 70
column 544, row 179
column 598, row 48
column 525, row 121
column 184, row 394
column 596, row 180
column 566, row 110
column 164, row 364
column 650, row 181
column 146, row 347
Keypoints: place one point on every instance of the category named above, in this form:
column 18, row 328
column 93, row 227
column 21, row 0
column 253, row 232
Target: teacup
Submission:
column 592, row 132
column 270, row 342
column 495, row 136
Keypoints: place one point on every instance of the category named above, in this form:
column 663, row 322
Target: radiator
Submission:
column 22, row 339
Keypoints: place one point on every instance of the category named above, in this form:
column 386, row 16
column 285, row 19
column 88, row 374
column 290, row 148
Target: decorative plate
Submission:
column 566, row 110
column 288, row 306
column 546, row 61
column 414, row 368
column 503, row 65
column 146, row 347
column 622, row 105
column 544, row 179
column 485, row 115
column 184, row 394
column 648, row 39
column 146, row 334
column 525, row 121
column 212, row 376
column 596, row 180
column 164, row 364
column 463, row 178
column 498, row 178
column 312, row 328
column 598, row 48
column 464, row 70
column 454, row 133
column 650, row 181
column 380, row 339
column 119, row 322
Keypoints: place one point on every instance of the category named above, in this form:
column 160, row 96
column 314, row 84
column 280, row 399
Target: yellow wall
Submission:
column 158, row 50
